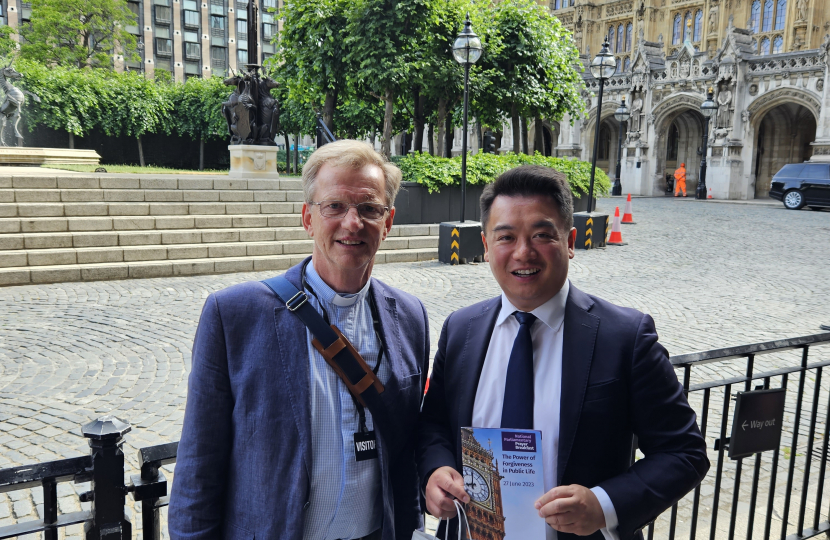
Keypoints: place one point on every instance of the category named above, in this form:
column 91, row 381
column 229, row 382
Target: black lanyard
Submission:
column 378, row 334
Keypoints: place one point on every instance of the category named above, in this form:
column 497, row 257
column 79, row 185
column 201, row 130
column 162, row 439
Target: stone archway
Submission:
column 550, row 137
column 609, row 132
column 783, row 135
column 679, row 114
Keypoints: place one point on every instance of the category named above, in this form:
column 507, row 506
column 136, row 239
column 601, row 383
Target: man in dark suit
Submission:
column 270, row 442
column 544, row 355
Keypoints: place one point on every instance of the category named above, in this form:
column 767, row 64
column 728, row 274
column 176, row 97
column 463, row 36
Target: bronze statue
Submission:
column 15, row 98
column 251, row 112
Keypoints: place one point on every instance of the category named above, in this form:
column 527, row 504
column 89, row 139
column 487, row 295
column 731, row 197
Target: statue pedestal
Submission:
column 253, row 161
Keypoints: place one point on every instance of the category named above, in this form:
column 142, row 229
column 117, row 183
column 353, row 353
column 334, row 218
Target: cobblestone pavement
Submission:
column 711, row 275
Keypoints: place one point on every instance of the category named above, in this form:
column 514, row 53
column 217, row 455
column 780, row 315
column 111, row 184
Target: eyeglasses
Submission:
column 337, row 209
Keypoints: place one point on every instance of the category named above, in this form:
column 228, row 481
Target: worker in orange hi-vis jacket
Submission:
column 680, row 180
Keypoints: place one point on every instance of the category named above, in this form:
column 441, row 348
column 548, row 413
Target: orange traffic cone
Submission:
column 627, row 217
column 616, row 231
column 710, row 194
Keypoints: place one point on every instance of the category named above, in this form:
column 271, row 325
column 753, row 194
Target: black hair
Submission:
column 530, row 181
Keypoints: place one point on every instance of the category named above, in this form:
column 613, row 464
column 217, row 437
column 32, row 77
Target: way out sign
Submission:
column 756, row 426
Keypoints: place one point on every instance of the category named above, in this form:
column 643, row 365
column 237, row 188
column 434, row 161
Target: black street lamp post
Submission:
column 602, row 68
column 622, row 115
column 708, row 108
column 466, row 50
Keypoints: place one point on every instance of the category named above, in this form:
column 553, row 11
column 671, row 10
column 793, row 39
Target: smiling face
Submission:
column 344, row 248
column 528, row 248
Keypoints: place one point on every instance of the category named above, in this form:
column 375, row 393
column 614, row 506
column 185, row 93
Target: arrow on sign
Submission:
column 454, row 233
column 743, row 426
column 454, row 244
column 454, row 257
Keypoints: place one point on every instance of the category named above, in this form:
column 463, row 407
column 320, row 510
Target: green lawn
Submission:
column 131, row 169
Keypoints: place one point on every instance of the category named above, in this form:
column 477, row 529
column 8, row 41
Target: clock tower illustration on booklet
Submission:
column 483, row 483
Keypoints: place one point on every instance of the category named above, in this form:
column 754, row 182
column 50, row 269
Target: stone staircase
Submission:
column 97, row 227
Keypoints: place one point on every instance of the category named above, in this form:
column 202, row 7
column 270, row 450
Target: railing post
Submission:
column 108, row 492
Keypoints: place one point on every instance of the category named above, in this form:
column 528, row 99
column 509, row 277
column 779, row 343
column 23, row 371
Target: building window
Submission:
column 217, row 58
column 627, row 65
column 243, row 57
column 241, row 12
column 217, row 24
column 698, row 24
column 755, row 16
column 780, row 14
column 191, row 37
column 241, row 29
column 162, row 15
column 164, row 47
column 611, row 38
column 192, row 5
column 135, row 9
column 675, row 39
column 268, row 32
column 191, row 19
column 604, row 143
column 163, row 32
column 273, row 4
column 192, row 51
column 766, row 25
column 764, row 46
column 778, row 45
column 619, row 65
column 161, row 2
column 628, row 31
column 687, row 27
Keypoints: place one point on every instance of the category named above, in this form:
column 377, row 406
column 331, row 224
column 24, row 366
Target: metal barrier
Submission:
column 104, row 467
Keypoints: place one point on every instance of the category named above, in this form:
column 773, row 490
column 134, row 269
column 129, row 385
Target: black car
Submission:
column 802, row 184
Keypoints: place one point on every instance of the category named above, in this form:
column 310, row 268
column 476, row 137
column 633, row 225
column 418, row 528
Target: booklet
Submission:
column 504, row 476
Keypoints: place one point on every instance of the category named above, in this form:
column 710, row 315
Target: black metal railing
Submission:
column 104, row 467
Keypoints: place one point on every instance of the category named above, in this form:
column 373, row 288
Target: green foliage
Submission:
column 197, row 112
column 435, row 172
column 80, row 33
column 7, row 44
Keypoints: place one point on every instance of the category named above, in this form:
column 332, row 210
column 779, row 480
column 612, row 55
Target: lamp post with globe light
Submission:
column 622, row 115
column 708, row 109
column 467, row 51
column 602, row 68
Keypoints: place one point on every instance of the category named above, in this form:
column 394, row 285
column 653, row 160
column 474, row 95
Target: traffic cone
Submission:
column 710, row 194
column 627, row 217
column 616, row 231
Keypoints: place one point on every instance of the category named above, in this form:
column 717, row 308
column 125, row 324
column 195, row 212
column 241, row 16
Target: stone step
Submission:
column 181, row 267
column 48, row 195
column 112, row 254
column 88, row 209
column 152, row 182
column 147, row 223
column 176, row 236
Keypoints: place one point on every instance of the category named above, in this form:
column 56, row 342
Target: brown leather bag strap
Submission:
column 328, row 354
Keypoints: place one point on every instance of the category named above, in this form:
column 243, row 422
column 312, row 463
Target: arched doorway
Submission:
column 784, row 136
column 681, row 141
column 548, row 144
column 608, row 143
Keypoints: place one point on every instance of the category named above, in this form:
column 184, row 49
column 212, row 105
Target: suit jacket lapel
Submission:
column 293, row 361
column 476, row 342
column 390, row 334
column 580, row 334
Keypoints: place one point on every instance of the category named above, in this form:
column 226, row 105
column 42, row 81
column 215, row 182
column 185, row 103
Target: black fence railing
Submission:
column 104, row 467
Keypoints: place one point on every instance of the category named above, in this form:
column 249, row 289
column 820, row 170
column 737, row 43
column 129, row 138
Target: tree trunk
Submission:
column 449, row 128
column 329, row 107
column 71, row 141
column 140, row 152
column 514, row 117
column 498, row 134
column 201, row 154
column 442, row 134
column 538, row 136
column 478, row 128
column 419, row 120
column 388, row 113
column 296, row 153
column 373, row 137
column 287, row 154
column 525, row 149
column 430, row 140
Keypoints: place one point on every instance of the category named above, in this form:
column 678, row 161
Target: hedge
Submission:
column 435, row 172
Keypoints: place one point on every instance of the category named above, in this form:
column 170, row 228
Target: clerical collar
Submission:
column 552, row 312
column 329, row 295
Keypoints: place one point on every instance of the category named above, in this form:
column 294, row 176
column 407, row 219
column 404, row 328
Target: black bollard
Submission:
column 108, row 491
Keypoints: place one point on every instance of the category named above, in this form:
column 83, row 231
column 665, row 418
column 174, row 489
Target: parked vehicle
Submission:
column 802, row 184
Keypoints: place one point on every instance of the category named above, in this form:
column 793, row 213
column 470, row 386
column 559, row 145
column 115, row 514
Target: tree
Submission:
column 197, row 111
column 80, row 33
column 7, row 44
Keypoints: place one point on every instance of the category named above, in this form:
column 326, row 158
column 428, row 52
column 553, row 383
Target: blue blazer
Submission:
column 617, row 382
column 244, row 458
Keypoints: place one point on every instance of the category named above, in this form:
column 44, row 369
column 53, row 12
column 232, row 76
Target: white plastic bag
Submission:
column 420, row 535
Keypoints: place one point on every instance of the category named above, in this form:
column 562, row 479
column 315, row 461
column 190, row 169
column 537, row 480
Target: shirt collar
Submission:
column 552, row 312
column 330, row 296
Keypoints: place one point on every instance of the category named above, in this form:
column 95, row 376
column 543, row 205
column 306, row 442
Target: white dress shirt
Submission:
column 547, row 337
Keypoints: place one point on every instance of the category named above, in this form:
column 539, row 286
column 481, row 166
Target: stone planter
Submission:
column 415, row 204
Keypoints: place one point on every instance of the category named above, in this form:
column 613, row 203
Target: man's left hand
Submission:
column 572, row 509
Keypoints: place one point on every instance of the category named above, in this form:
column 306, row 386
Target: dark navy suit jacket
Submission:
column 244, row 458
column 617, row 382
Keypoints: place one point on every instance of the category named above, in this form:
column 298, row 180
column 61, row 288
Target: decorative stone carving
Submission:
column 620, row 8
column 15, row 98
column 684, row 68
column 636, row 112
column 753, row 90
column 713, row 19
column 820, row 85
column 801, row 10
column 724, row 113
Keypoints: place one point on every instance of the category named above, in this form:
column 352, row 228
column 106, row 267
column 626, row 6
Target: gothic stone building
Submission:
column 767, row 61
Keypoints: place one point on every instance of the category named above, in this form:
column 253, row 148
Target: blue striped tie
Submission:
column 517, row 407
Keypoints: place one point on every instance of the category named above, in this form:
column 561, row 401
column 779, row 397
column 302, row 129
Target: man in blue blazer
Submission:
column 544, row 355
column 269, row 443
